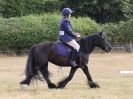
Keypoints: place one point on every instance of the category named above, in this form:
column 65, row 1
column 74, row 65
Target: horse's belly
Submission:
column 60, row 61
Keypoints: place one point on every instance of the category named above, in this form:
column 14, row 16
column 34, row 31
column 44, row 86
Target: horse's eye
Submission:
column 103, row 39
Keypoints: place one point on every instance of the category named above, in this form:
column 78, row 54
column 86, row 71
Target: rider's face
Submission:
column 69, row 16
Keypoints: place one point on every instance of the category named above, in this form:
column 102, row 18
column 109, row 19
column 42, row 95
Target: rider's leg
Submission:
column 76, row 48
column 73, row 58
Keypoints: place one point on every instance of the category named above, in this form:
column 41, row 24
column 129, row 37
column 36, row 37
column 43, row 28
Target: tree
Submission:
column 102, row 11
column 127, row 31
column 13, row 8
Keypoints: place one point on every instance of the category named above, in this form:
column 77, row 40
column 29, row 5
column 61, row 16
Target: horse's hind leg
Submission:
column 45, row 73
column 64, row 82
column 25, row 83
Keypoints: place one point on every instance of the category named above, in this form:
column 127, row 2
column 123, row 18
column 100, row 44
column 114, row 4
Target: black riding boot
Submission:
column 73, row 58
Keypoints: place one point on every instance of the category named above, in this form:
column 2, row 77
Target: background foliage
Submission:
column 27, row 22
column 13, row 8
column 103, row 11
column 21, row 33
column 120, row 33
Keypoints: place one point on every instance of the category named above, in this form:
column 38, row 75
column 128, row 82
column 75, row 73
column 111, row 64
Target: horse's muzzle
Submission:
column 108, row 49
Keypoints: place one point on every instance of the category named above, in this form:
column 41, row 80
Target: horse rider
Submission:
column 66, row 34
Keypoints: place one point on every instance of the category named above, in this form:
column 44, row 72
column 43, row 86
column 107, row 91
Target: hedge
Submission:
column 121, row 32
column 127, row 31
column 22, row 32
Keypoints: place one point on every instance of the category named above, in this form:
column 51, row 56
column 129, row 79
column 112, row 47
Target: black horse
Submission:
column 42, row 53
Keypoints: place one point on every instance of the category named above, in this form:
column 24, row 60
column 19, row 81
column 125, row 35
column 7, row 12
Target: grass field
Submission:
column 105, row 69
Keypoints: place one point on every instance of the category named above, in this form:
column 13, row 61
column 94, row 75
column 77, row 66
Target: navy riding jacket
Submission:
column 66, row 33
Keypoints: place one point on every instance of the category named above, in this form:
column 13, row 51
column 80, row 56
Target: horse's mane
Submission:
column 87, row 42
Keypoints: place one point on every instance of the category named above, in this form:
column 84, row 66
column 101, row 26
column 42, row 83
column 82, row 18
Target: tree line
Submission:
column 103, row 11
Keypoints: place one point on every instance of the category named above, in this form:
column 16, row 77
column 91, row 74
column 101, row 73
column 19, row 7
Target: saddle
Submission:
column 63, row 49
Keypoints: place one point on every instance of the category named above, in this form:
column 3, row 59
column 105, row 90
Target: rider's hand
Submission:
column 78, row 35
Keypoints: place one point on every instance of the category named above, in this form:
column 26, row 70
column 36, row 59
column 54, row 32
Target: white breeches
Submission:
column 74, row 44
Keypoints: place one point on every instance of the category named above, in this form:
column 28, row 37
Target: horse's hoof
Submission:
column 60, row 86
column 94, row 85
column 52, row 85
column 24, row 87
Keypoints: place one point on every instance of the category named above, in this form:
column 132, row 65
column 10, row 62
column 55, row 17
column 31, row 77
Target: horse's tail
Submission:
column 30, row 68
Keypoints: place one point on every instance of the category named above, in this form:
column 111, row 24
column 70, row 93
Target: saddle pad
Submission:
column 63, row 50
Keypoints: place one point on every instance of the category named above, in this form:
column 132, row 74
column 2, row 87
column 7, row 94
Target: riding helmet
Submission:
column 66, row 11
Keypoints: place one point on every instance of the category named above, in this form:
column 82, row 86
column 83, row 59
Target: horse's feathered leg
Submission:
column 90, row 81
column 45, row 73
column 64, row 82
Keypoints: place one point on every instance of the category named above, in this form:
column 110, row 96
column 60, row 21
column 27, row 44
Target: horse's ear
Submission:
column 101, row 33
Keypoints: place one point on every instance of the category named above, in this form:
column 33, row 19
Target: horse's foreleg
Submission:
column 64, row 82
column 45, row 73
column 90, row 81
